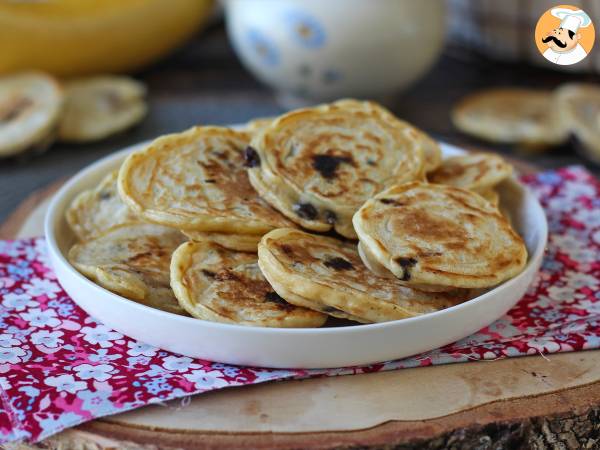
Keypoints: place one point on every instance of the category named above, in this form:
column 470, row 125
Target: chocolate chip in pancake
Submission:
column 327, row 275
column 318, row 165
column 213, row 283
column 441, row 236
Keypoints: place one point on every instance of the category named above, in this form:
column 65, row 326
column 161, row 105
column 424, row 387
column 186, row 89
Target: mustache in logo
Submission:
column 555, row 40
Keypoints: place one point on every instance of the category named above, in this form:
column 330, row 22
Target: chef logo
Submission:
column 564, row 35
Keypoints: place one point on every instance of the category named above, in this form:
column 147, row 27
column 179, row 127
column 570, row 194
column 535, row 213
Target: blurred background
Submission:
column 207, row 62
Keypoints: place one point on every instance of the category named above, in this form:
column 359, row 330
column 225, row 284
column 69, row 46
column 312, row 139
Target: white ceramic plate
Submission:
column 281, row 347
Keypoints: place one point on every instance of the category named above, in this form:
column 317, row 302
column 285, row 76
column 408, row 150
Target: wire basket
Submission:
column 504, row 30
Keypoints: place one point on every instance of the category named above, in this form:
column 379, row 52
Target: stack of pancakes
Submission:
column 339, row 210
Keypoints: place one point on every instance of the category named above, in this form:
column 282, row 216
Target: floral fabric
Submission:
column 59, row 367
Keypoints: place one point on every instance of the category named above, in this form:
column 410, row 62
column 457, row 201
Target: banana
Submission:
column 69, row 38
column 30, row 107
column 100, row 106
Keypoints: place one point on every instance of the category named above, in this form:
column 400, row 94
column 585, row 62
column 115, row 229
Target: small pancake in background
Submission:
column 133, row 261
column 579, row 109
column 432, row 234
column 30, row 107
column 196, row 180
column 101, row 106
column 220, row 285
column 473, row 171
column 318, row 165
column 231, row 241
column 95, row 211
column 511, row 116
column 328, row 275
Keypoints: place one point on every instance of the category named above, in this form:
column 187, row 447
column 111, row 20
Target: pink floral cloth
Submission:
column 59, row 367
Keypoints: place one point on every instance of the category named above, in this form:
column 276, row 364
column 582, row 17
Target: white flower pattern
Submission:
column 100, row 372
column 12, row 355
column 8, row 340
column 38, row 318
column 66, row 383
column 179, row 363
column 47, row 338
column 140, row 349
column 206, row 379
column 41, row 286
column 18, row 302
column 100, row 335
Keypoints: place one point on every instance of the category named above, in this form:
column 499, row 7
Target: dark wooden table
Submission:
column 204, row 83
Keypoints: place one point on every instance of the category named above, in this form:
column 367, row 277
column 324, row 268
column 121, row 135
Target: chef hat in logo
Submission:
column 571, row 19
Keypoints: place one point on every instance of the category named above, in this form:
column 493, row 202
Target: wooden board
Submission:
column 532, row 402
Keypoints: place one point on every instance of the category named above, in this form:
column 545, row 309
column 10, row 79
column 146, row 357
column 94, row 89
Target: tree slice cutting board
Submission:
column 534, row 402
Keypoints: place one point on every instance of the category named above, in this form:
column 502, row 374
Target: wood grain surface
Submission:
column 558, row 408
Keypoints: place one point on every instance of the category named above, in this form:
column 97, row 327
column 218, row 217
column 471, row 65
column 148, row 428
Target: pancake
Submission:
column 511, row 116
column 431, row 234
column 318, row 165
column 579, row 108
column 376, row 267
column 474, row 171
column 196, row 180
column 133, row 261
column 279, row 284
column 30, row 106
column 231, row 241
column 432, row 153
column 327, row 275
column 491, row 196
column 220, row 285
column 256, row 126
column 97, row 210
column 371, row 263
column 100, row 106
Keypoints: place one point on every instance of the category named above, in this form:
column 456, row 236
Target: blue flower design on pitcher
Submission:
column 305, row 29
column 263, row 47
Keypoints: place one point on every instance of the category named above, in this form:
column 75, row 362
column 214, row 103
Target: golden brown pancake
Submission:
column 318, row 165
column 196, row 180
column 376, row 267
column 432, row 152
column 97, row 210
column 492, row 196
column 220, row 285
column 327, row 275
column 30, row 107
column 432, row 234
column 231, row 241
column 100, row 106
column 133, row 261
column 579, row 108
column 474, row 171
column 510, row 115
column 256, row 126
